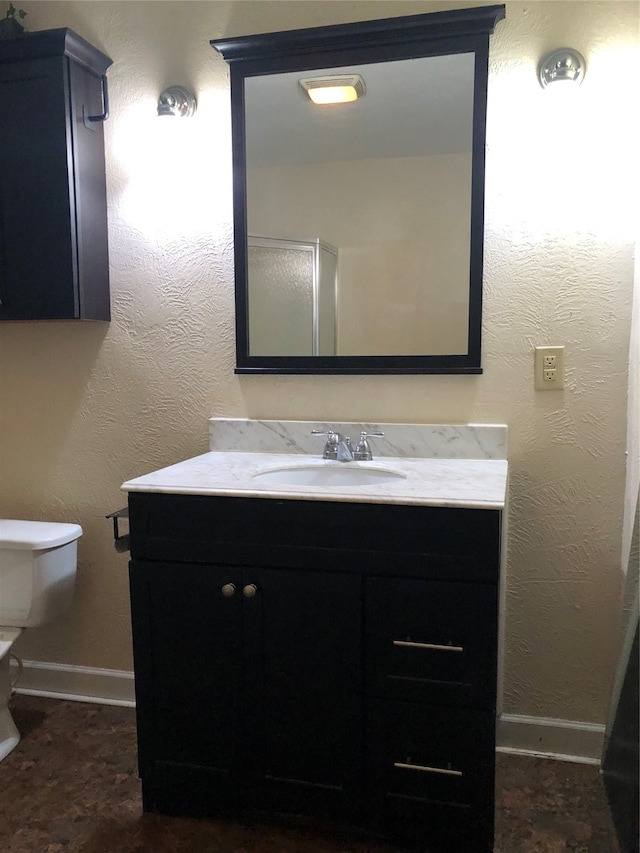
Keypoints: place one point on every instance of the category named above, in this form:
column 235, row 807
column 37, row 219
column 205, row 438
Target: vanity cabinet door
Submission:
column 248, row 687
column 302, row 702
column 187, row 623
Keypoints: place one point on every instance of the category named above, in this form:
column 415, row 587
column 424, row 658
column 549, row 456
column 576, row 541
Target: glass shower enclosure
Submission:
column 292, row 297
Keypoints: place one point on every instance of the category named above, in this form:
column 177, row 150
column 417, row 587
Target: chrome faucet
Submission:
column 339, row 447
column 363, row 451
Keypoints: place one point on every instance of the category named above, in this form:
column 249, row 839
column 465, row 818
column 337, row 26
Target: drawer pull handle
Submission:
column 436, row 646
column 424, row 769
column 228, row 590
column 250, row 590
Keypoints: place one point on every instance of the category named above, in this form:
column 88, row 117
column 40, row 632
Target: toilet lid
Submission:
column 34, row 535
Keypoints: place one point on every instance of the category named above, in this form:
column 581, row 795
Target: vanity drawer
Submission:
column 440, row 542
column 431, row 641
column 424, row 754
column 430, row 774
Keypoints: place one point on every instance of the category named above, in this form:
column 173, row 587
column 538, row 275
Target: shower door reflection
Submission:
column 292, row 297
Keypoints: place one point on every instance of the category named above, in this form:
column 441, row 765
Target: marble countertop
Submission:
column 470, row 483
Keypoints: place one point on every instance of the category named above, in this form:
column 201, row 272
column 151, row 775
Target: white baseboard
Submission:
column 78, row 683
column 564, row 740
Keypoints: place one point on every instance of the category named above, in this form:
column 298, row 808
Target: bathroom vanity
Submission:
column 320, row 651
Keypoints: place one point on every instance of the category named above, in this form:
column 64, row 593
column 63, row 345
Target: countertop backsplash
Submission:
column 430, row 441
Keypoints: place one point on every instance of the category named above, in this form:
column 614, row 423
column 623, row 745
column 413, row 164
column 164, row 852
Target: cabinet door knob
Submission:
column 250, row 590
column 228, row 590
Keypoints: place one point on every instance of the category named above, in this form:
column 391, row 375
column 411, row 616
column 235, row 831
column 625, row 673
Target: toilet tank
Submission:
column 37, row 570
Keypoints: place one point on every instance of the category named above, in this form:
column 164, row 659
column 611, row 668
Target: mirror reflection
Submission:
column 359, row 213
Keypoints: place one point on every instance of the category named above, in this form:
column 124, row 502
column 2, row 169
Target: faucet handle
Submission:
column 363, row 453
column 333, row 440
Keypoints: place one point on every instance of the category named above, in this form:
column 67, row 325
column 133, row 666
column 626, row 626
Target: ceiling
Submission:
column 412, row 107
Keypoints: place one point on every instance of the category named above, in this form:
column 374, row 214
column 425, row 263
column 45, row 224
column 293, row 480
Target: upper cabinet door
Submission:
column 53, row 215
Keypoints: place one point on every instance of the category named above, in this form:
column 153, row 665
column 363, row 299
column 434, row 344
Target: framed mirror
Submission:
column 358, row 223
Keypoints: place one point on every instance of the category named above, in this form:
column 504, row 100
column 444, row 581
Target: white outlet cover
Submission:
column 542, row 366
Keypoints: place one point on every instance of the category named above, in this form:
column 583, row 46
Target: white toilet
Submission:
column 37, row 575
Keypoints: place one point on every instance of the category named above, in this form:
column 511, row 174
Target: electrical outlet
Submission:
column 549, row 368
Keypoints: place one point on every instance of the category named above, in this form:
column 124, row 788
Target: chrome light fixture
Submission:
column 562, row 64
column 335, row 89
column 177, row 101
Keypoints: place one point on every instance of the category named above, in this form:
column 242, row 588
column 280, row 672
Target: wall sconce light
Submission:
column 562, row 64
column 334, row 90
column 177, row 101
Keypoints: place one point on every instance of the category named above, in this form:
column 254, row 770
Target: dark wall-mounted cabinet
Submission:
column 54, row 261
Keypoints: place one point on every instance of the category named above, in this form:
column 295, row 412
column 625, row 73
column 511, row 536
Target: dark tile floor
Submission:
column 71, row 787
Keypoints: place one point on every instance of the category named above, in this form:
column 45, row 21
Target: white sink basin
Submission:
column 338, row 474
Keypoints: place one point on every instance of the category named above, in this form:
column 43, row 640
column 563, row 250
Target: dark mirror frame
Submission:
column 384, row 40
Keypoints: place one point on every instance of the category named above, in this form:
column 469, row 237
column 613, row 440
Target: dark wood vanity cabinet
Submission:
column 318, row 658
column 53, row 213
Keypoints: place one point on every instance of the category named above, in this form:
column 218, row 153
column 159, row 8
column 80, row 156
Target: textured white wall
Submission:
column 84, row 407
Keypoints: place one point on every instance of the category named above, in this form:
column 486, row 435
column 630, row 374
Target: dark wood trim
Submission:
column 408, row 30
column 59, row 42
